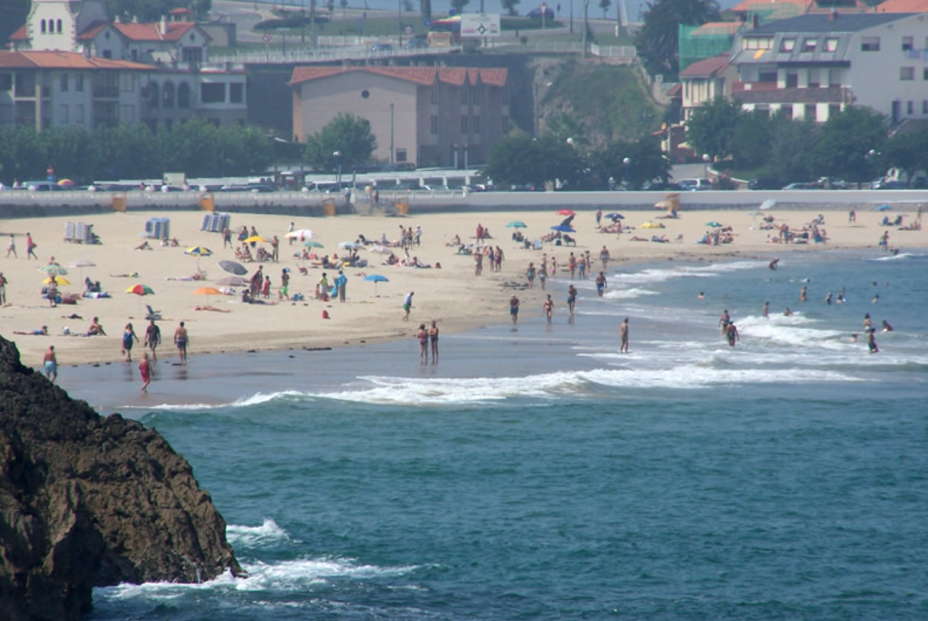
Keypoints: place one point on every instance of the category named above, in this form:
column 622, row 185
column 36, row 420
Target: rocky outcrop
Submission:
column 89, row 501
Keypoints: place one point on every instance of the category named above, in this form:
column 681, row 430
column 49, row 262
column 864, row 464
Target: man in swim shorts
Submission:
column 51, row 364
column 180, row 339
column 407, row 305
column 623, row 335
column 514, row 309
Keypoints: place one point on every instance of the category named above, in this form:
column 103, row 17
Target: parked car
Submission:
column 416, row 43
column 802, row 185
column 660, row 186
column 887, row 184
column 43, row 186
column 764, row 183
column 536, row 13
column 381, row 47
column 692, row 185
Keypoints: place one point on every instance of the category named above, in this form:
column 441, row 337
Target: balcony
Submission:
column 106, row 92
column 768, row 93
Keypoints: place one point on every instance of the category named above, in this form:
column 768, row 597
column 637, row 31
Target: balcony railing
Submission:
column 753, row 86
column 106, row 92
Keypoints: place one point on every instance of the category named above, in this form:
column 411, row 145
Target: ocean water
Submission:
column 537, row 473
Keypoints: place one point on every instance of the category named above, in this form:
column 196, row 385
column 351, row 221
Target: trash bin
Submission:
column 328, row 207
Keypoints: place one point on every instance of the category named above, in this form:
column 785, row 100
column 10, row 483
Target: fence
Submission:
column 277, row 55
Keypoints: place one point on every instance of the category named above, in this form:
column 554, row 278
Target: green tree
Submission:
column 425, row 10
column 907, row 151
column 519, row 160
column 657, row 41
column 12, row 15
column 791, row 149
column 22, row 154
column 565, row 126
column 604, row 5
column 347, row 134
column 510, row 6
column 458, row 5
column 712, row 127
column 750, row 141
column 67, row 149
column 846, row 140
column 646, row 162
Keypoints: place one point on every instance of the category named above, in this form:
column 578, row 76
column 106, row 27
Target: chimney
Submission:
column 164, row 25
column 755, row 21
column 833, row 15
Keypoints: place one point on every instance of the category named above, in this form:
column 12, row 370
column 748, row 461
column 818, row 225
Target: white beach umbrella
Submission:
column 301, row 234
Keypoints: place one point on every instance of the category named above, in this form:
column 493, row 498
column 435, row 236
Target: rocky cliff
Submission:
column 89, row 501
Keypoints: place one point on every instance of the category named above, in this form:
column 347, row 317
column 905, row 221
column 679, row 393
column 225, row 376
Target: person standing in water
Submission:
column 514, row 309
column 145, row 372
column 802, row 293
column 731, row 333
column 548, row 307
column 433, row 339
column 623, row 335
column 871, row 340
column 423, row 337
column 767, row 309
column 181, row 340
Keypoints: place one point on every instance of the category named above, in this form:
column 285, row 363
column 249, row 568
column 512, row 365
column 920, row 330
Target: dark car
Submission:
column 416, row 43
column 764, row 183
column 884, row 184
column 660, row 186
column 536, row 13
column 381, row 47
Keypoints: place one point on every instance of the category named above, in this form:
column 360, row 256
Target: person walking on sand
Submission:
column 530, row 275
column 341, row 281
column 181, row 339
column 30, row 248
column 478, row 262
column 601, row 283
column 127, row 336
column 548, row 307
column 407, row 305
column 284, row 284
column 12, row 247
column 604, row 256
column 145, row 371
column 422, row 336
column 290, row 230
column 623, row 336
column 51, row 364
column 433, row 339
column 152, row 338
column 514, row 309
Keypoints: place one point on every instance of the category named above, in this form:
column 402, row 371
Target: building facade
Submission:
column 814, row 65
column 161, row 70
column 705, row 80
column 429, row 116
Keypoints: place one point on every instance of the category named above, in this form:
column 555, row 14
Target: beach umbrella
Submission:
column 301, row 234
column 380, row 249
column 349, row 245
column 140, row 290
column 198, row 251
column 713, row 224
column 81, row 264
column 66, row 183
column 233, row 281
column 515, row 224
column 233, row 268
column 209, row 291
column 615, row 216
column 663, row 205
column 311, row 243
column 563, row 228
column 53, row 268
column 768, row 204
column 650, row 225
column 58, row 280
column 376, row 278
column 566, row 212
column 255, row 238
column 883, row 208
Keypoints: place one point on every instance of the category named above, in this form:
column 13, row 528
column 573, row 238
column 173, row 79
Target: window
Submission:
column 127, row 83
column 831, row 44
column 401, row 155
column 79, row 114
column 770, row 76
column 908, row 43
column 813, row 78
column 212, row 93
column 910, row 107
column 63, row 114
column 43, row 27
column 787, row 45
column 154, row 95
column 167, row 95
column 434, row 124
column 108, row 54
column 433, row 93
column 79, row 83
column 464, row 125
column 237, row 93
column 476, row 93
column 476, row 124
column 64, row 83
column 464, row 93
column 183, row 95
column 192, row 55
column 810, row 112
column 59, row 27
column 127, row 113
column 787, row 111
column 758, row 43
column 808, row 45
column 870, row 44
column 834, row 110
column 924, row 76
column 6, row 81
column 365, row 94
column 906, row 73
column 505, row 95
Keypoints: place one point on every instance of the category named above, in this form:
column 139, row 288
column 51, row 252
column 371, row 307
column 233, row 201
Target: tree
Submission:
column 751, row 139
column 458, row 5
column 425, row 10
column 846, row 142
column 657, row 41
column 347, row 134
column 712, row 127
column 791, row 149
column 646, row 162
column 520, row 160
column 510, row 6
column 604, row 5
column 907, row 151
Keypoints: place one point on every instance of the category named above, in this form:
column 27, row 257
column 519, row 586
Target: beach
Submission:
column 450, row 294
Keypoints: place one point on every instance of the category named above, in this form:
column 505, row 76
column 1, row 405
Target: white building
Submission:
column 160, row 71
column 814, row 65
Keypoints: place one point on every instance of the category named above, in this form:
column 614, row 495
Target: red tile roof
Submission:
column 152, row 31
column 425, row 76
column 20, row 34
column 706, row 67
column 903, row 6
column 675, row 91
column 64, row 60
column 750, row 5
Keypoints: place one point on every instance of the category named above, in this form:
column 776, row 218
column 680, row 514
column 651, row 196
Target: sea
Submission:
column 534, row 472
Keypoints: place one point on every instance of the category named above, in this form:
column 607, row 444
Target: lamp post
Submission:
column 544, row 11
column 586, row 6
column 628, row 164
column 705, row 165
column 338, row 167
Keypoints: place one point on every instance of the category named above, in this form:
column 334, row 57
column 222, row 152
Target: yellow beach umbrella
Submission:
column 255, row 238
column 60, row 281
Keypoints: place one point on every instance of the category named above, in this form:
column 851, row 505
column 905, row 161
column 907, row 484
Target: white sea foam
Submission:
column 900, row 256
column 655, row 275
column 255, row 399
column 628, row 294
column 268, row 534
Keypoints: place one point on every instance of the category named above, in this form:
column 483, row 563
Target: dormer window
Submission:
column 808, row 46
column 787, row 45
column 831, row 44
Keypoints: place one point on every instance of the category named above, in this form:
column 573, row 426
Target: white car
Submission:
column 692, row 185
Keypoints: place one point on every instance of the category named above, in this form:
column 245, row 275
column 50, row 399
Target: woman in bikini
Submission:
column 423, row 337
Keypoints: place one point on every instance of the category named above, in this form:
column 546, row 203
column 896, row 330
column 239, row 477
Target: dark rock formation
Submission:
column 89, row 501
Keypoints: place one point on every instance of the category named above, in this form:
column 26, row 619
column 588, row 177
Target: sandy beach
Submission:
column 451, row 295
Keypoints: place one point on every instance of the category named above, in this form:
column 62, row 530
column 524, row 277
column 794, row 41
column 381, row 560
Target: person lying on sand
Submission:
column 636, row 238
column 144, row 246
column 129, row 275
column 43, row 331
column 211, row 308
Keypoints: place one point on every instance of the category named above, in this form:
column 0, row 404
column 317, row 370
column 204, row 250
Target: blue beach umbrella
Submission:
column 376, row 278
column 198, row 251
column 516, row 224
column 563, row 229
column 883, row 208
column 713, row 224
column 615, row 216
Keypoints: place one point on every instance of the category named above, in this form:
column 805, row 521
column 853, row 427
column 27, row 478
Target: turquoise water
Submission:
column 538, row 474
